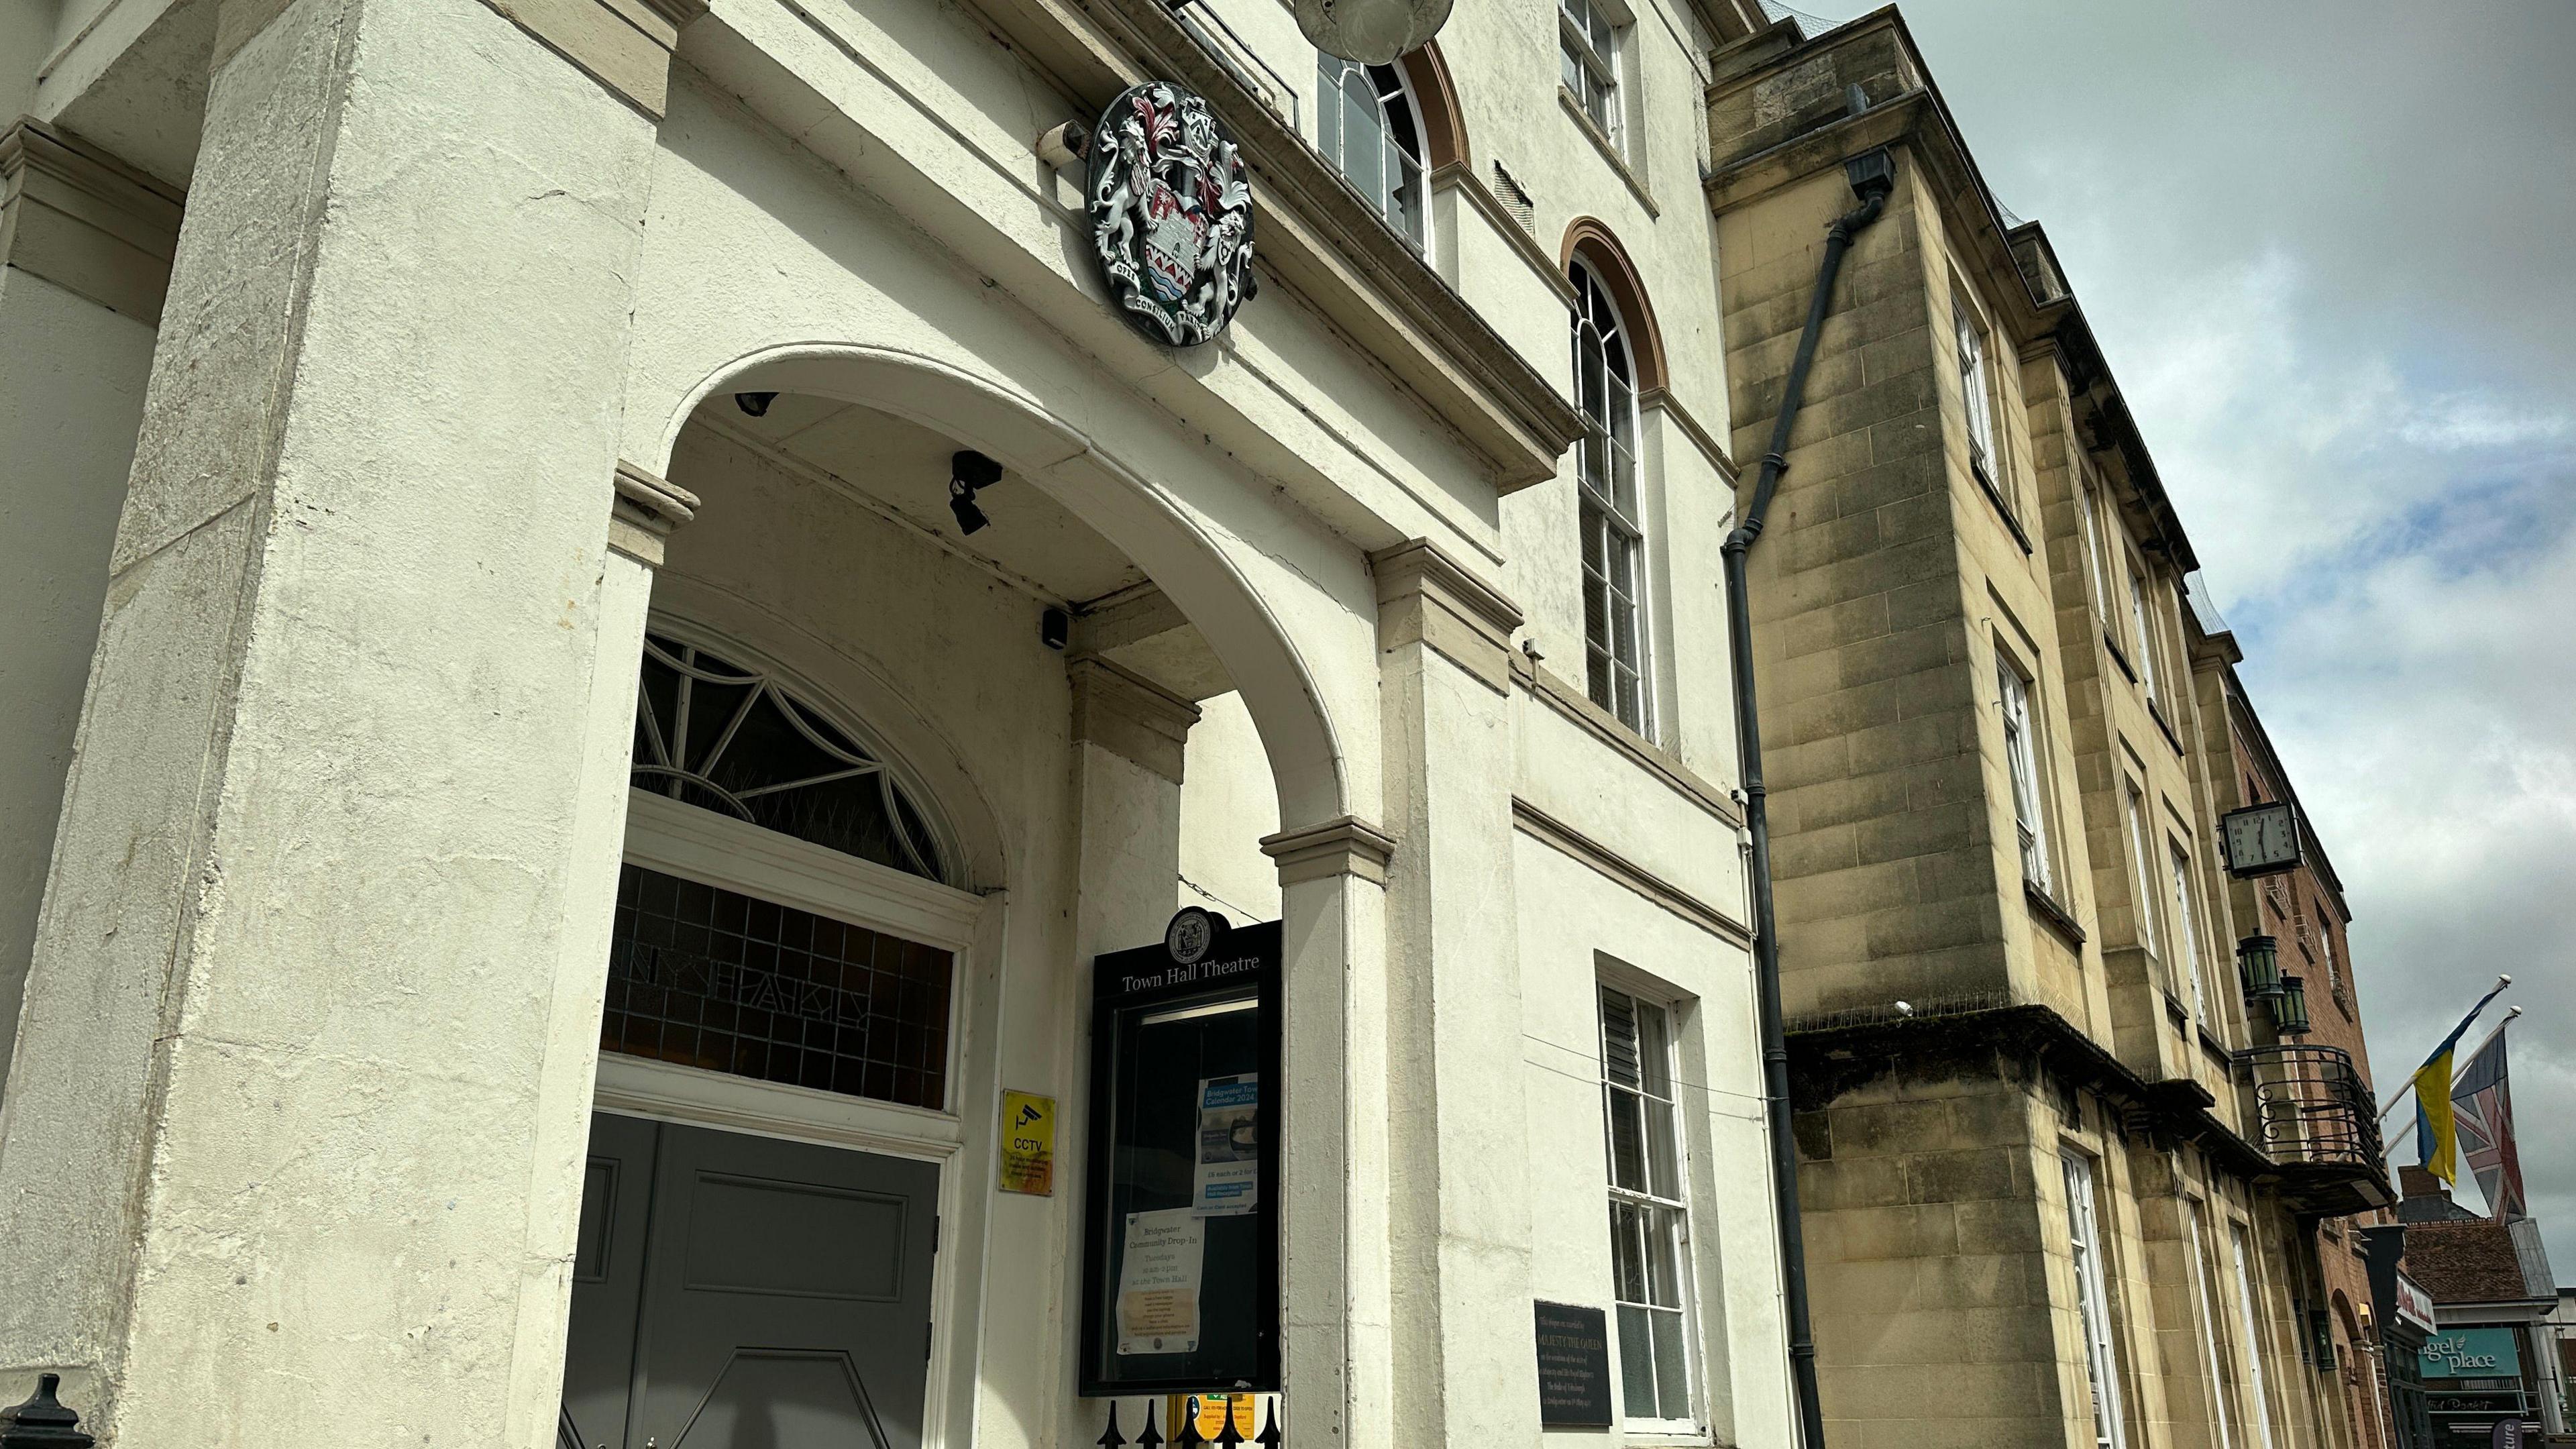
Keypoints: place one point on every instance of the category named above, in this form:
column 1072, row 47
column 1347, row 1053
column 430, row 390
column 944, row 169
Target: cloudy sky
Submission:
column 2330, row 249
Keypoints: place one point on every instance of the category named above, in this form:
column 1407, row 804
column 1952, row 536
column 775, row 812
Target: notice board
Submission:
column 1181, row 1230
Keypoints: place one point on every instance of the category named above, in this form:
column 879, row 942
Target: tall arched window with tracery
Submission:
column 1368, row 124
column 1613, row 520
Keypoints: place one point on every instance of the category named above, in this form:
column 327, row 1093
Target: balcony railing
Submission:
column 2316, row 1122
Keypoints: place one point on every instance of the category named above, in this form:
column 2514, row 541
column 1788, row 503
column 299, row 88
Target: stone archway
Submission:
column 1227, row 557
column 1252, row 631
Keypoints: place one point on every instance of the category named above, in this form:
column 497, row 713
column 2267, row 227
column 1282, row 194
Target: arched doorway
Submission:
column 1034, row 684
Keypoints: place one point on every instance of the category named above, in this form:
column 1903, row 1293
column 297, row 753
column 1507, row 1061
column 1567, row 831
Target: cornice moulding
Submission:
column 1424, row 595
column 647, row 506
column 76, row 216
column 1343, row 845
column 625, row 45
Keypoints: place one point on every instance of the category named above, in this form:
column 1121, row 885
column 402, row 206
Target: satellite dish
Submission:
column 1372, row 32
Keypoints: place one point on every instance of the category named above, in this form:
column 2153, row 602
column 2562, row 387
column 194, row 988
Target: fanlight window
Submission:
column 730, row 739
column 1366, row 126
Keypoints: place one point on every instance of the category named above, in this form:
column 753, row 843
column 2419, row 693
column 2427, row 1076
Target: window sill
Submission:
column 1608, row 148
column 2045, row 906
column 2156, row 712
column 2003, row 510
column 2175, row 1013
column 2118, row 656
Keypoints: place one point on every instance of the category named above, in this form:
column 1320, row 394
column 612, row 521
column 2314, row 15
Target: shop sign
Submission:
column 1171, row 214
column 2471, row 1353
column 1573, row 1366
column 2414, row 1305
column 1028, row 1144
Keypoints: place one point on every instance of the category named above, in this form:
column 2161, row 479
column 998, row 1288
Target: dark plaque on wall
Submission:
column 1573, row 1367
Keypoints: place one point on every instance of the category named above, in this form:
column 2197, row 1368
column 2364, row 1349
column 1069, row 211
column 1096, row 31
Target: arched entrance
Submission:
column 1039, row 679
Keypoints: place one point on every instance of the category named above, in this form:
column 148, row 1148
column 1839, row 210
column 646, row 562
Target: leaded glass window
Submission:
column 709, row 978
column 1649, row 1216
column 1612, row 521
column 1366, row 125
column 731, row 739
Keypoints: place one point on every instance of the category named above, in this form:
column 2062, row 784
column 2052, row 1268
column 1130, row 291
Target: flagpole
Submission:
column 2483, row 1043
column 2453, row 1039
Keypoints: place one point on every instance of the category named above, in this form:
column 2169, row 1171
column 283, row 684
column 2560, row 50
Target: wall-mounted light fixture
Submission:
column 969, row 471
column 754, row 404
column 2290, row 1008
column 2258, row 961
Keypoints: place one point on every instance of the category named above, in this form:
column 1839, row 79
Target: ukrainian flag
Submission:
column 2437, row 1147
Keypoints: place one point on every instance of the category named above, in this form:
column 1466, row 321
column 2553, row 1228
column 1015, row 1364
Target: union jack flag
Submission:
column 2482, row 1112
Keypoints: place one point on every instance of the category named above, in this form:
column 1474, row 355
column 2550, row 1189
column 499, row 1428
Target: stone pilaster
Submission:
column 296, row 1121
column 86, row 241
column 1459, row 1215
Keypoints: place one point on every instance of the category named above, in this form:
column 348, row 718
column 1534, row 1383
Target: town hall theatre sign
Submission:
column 1171, row 214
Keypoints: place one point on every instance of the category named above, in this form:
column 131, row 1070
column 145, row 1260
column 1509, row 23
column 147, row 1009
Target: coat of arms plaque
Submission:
column 1171, row 214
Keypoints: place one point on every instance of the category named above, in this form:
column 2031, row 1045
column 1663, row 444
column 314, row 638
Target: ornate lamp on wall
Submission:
column 1372, row 32
column 2258, row 963
column 2290, row 1008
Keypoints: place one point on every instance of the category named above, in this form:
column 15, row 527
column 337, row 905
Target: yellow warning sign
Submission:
column 1028, row 1143
column 1210, row 1412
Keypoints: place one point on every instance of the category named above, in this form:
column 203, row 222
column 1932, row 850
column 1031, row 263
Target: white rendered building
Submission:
column 533, row 844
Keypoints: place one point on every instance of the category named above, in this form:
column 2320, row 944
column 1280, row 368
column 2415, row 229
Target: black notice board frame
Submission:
column 1124, row 986
column 1573, row 1344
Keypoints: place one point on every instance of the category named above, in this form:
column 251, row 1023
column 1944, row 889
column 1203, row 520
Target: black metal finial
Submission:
column 1110, row 1438
column 1268, row 1438
column 1229, row 1437
column 42, row 1422
column 1152, row 1435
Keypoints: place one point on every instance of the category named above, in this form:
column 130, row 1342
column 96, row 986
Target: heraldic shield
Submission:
column 1171, row 214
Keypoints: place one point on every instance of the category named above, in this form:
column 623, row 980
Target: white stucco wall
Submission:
column 1579, row 930
column 843, row 201
column 71, row 394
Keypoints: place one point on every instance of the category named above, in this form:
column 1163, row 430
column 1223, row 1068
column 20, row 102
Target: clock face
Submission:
column 2261, row 839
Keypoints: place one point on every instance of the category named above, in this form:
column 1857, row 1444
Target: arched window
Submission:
column 731, row 739
column 1369, row 126
column 1613, row 522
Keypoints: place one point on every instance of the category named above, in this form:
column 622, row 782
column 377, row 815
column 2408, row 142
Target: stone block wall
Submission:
column 1929, row 1253
column 1882, row 823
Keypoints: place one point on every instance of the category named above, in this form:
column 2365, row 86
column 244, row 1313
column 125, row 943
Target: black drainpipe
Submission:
column 1872, row 176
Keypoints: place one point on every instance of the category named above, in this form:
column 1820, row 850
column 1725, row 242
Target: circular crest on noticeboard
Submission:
column 1171, row 213
column 1193, row 933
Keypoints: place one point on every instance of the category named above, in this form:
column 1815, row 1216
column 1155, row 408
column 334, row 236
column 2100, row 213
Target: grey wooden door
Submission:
column 770, row 1295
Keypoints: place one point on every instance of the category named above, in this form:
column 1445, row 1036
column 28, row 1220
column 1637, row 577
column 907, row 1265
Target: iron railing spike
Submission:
column 1151, row 1436
column 1110, row 1438
column 1268, row 1438
column 1229, row 1437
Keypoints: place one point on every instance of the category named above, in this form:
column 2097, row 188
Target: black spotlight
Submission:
column 755, row 403
column 968, row 471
